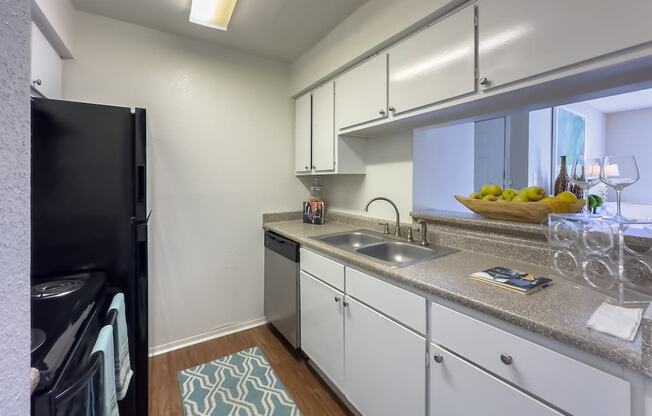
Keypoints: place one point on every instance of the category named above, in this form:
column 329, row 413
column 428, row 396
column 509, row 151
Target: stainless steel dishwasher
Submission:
column 282, row 286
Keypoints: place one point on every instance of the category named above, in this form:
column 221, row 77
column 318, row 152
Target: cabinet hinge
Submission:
column 475, row 72
column 427, row 359
column 475, row 20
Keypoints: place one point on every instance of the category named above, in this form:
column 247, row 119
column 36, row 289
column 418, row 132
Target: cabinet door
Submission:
column 322, row 331
column 459, row 388
column 46, row 66
column 385, row 364
column 302, row 133
column 361, row 93
column 523, row 38
column 434, row 65
column 323, row 128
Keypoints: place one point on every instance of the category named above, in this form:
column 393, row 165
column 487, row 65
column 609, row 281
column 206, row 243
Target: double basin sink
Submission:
column 384, row 249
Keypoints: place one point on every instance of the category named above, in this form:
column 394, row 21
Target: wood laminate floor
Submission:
column 307, row 389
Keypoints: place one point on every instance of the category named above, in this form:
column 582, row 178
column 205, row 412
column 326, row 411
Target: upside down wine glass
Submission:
column 585, row 173
column 619, row 172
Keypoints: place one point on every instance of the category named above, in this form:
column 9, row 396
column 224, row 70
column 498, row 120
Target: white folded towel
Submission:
column 617, row 321
column 123, row 371
column 104, row 344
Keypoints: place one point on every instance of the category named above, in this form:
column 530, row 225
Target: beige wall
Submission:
column 389, row 173
column 221, row 149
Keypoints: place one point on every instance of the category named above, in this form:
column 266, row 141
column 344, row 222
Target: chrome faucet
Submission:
column 423, row 229
column 397, row 231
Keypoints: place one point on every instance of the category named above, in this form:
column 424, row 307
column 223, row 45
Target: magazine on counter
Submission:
column 512, row 279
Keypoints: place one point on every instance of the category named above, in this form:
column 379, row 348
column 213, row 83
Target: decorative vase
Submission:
column 564, row 182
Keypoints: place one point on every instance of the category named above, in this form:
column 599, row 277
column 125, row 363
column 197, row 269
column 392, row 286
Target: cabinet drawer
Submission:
column 404, row 306
column 566, row 383
column 459, row 388
column 327, row 270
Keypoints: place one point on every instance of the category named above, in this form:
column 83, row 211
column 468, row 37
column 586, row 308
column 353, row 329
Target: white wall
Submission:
column 366, row 29
column 630, row 132
column 540, row 149
column 443, row 165
column 389, row 173
column 221, row 148
column 55, row 19
column 14, row 207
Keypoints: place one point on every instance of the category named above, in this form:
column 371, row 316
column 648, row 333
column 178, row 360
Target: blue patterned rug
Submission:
column 241, row 384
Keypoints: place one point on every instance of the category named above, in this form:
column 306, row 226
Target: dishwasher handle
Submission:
column 283, row 246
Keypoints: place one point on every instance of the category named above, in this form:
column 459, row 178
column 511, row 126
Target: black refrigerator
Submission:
column 89, row 212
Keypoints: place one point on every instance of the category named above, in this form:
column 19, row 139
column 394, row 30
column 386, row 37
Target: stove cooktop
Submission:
column 60, row 306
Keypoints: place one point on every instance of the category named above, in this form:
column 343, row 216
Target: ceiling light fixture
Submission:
column 212, row 13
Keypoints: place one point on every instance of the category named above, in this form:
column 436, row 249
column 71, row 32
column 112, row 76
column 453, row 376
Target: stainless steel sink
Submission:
column 384, row 249
column 351, row 240
column 401, row 254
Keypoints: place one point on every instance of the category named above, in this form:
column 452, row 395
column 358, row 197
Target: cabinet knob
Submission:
column 345, row 304
column 37, row 82
column 506, row 359
column 337, row 300
column 391, row 108
column 381, row 112
column 438, row 358
column 484, row 81
column 307, row 167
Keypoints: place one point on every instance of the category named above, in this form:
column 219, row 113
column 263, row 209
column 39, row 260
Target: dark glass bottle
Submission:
column 564, row 182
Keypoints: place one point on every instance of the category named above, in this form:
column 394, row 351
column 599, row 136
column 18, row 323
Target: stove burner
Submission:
column 38, row 338
column 56, row 288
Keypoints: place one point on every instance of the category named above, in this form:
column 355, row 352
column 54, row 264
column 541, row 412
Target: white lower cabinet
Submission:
column 385, row 373
column 368, row 338
column 459, row 388
column 322, row 327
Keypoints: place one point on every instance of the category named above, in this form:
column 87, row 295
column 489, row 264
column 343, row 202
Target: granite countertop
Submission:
column 560, row 311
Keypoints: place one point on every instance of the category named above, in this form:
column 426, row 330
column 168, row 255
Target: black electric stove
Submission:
column 67, row 315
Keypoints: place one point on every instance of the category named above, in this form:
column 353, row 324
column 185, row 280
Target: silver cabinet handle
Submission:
column 484, row 81
column 381, row 112
column 506, row 359
column 337, row 300
column 438, row 358
column 391, row 108
column 37, row 82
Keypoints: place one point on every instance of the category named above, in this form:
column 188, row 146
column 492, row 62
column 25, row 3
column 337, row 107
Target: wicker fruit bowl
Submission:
column 532, row 212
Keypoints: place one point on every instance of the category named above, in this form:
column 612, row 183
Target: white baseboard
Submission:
column 206, row 336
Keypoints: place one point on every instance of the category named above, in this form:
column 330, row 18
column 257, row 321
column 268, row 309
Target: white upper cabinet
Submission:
column 303, row 133
column 323, row 128
column 385, row 370
column 523, row 38
column 361, row 93
column 47, row 66
column 434, row 65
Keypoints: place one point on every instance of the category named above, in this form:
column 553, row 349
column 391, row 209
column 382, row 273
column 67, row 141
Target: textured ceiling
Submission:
column 277, row 29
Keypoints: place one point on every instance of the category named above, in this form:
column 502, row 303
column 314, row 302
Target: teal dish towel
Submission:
column 123, row 370
column 104, row 344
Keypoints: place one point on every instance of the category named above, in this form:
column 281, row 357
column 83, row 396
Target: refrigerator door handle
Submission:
column 141, row 222
column 140, row 183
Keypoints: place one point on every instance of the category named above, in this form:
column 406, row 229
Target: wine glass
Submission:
column 585, row 173
column 618, row 172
